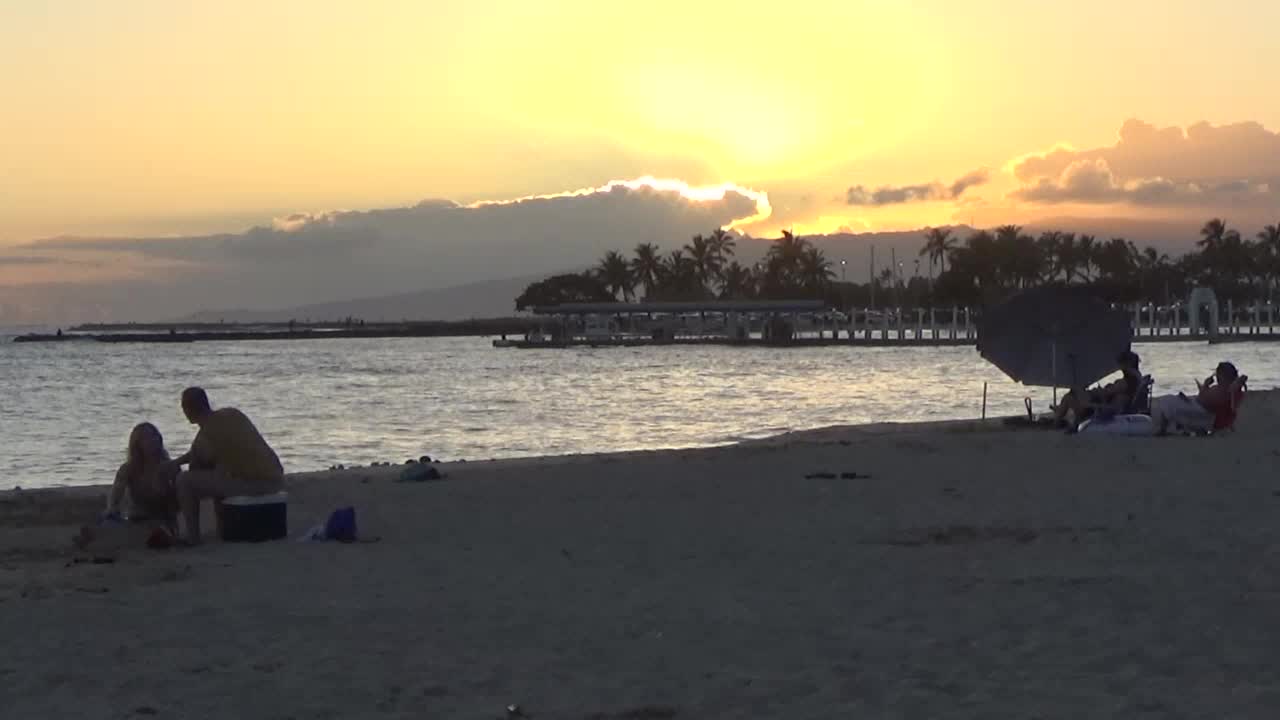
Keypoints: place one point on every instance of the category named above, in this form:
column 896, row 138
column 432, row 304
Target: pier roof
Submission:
column 776, row 306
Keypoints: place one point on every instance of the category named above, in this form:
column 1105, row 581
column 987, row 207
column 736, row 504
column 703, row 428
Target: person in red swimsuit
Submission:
column 1213, row 408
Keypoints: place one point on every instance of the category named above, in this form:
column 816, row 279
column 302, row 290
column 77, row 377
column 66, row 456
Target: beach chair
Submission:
column 1135, row 420
column 1227, row 421
column 1223, row 421
column 1141, row 402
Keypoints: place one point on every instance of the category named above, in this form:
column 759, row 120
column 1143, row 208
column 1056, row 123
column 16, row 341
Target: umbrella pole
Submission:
column 1053, row 364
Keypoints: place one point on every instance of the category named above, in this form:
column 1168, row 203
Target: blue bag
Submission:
column 341, row 525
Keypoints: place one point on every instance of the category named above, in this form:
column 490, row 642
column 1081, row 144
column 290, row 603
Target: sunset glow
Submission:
column 153, row 119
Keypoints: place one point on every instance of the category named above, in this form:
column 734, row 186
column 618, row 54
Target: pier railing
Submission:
column 954, row 325
column 1258, row 320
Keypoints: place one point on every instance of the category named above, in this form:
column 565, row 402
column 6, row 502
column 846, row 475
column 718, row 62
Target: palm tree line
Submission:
column 983, row 266
column 705, row 268
column 990, row 263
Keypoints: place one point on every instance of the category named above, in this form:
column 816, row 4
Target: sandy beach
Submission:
column 968, row 571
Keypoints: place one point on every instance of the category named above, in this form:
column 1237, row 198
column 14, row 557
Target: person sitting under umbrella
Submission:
column 1115, row 397
column 1213, row 408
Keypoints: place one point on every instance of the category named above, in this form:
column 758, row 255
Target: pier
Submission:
column 805, row 323
column 771, row 323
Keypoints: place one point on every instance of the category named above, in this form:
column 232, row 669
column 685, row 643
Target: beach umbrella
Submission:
column 1054, row 337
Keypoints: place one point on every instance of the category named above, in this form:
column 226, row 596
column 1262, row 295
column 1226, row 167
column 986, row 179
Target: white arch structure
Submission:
column 1202, row 297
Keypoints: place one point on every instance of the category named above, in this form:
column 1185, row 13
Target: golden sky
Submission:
column 153, row 117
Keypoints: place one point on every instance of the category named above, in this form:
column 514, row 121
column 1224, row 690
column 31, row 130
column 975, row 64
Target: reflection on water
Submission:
column 66, row 408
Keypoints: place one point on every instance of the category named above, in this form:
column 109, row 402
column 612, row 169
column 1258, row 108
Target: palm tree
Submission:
column 615, row 273
column 788, row 248
column 1087, row 253
column 1117, row 261
column 722, row 244
column 783, row 264
column 737, row 283
column 1152, row 266
column 1047, row 246
column 1214, row 234
column 1028, row 266
column 706, row 261
column 815, row 269
column 978, row 259
column 646, row 267
column 1067, row 257
column 1006, row 247
column 679, row 277
column 938, row 244
column 1269, row 237
column 1269, row 249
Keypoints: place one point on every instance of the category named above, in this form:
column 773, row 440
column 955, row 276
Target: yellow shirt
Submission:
column 229, row 441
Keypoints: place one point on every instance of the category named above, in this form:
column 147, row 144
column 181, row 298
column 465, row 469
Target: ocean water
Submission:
column 66, row 409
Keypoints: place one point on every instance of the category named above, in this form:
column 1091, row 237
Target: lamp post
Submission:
column 842, row 265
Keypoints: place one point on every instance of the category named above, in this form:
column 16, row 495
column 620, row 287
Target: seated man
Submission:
column 227, row 458
column 1116, row 397
column 1214, row 407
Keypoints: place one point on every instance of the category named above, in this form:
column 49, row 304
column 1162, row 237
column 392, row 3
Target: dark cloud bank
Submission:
column 312, row 259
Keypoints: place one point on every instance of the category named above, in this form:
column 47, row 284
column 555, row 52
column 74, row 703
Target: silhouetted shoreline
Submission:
column 198, row 332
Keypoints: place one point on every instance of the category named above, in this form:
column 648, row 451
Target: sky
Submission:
column 151, row 119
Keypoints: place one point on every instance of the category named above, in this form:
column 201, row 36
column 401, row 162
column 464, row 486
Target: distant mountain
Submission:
column 491, row 298
column 495, row 298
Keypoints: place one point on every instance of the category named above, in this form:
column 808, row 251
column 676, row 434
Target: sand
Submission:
column 979, row 572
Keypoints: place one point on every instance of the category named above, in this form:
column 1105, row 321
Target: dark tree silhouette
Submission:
column 706, row 259
column 559, row 289
column 984, row 267
column 722, row 244
column 815, row 270
column 938, row 245
column 646, row 266
column 615, row 272
column 738, row 282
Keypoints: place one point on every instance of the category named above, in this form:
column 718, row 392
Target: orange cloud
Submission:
column 1205, row 166
column 693, row 193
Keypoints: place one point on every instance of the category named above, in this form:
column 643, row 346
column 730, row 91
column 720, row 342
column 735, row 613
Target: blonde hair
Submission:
column 134, row 458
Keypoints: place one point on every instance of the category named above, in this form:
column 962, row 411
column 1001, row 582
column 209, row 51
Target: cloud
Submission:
column 28, row 260
column 43, row 261
column 306, row 258
column 973, row 179
column 705, row 193
column 925, row 192
column 1091, row 181
column 1234, row 165
column 1202, row 151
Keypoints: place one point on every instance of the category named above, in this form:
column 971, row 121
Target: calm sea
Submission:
column 66, row 408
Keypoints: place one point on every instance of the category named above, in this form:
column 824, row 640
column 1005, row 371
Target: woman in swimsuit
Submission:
column 147, row 478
